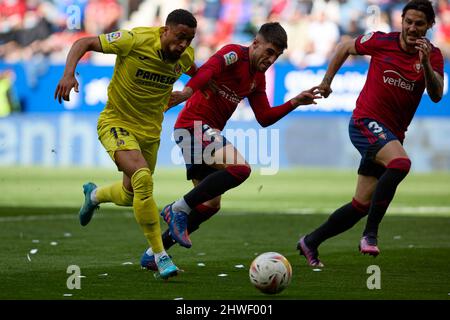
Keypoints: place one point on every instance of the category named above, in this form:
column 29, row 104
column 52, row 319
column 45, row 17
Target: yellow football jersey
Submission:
column 142, row 81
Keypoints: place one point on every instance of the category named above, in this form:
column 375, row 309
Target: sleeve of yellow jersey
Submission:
column 119, row 42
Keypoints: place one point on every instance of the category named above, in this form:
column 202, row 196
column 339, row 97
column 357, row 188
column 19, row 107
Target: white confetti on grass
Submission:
column 179, row 298
column 81, row 276
column 53, row 243
column 28, row 257
column 200, row 264
column 317, row 270
column 239, row 266
column 127, row 263
column 67, row 295
column 222, row 275
column 35, row 241
column 103, row 275
column 33, row 251
column 397, row 237
column 67, row 234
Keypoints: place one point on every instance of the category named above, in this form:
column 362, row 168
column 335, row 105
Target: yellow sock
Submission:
column 115, row 193
column 145, row 209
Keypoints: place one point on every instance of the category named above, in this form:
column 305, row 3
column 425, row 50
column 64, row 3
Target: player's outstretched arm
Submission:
column 343, row 50
column 68, row 81
column 306, row 97
column 434, row 83
column 267, row 115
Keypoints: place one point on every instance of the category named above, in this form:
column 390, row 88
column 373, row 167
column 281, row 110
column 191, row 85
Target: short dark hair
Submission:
column 421, row 5
column 181, row 16
column 275, row 34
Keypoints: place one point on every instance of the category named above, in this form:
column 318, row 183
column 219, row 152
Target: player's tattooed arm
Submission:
column 327, row 80
column 433, row 80
column 434, row 83
column 325, row 86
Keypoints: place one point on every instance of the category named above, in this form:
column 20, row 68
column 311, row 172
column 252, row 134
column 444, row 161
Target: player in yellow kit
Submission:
column 149, row 60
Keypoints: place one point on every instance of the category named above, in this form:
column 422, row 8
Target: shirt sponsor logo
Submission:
column 113, row 36
column 229, row 94
column 230, row 58
column 417, row 66
column 395, row 79
column 366, row 37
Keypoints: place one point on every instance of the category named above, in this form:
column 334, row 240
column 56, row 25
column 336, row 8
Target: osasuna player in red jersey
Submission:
column 213, row 164
column 402, row 65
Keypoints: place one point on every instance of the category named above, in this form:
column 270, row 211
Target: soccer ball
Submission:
column 270, row 272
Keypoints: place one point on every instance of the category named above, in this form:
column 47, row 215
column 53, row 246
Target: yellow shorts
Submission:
column 115, row 138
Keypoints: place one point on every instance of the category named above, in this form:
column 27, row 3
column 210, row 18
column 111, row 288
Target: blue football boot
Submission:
column 177, row 222
column 148, row 262
column 166, row 267
column 87, row 210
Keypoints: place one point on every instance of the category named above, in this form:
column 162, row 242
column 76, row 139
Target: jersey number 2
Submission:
column 375, row 127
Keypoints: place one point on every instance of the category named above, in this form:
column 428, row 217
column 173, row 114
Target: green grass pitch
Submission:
column 39, row 206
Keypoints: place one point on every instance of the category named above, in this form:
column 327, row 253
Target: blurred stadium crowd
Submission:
column 39, row 33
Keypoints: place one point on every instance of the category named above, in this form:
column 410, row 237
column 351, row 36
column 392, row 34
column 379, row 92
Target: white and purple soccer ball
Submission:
column 270, row 272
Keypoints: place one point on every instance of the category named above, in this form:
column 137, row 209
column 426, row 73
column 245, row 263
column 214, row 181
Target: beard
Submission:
column 171, row 56
column 416, row 35
column 407, row 41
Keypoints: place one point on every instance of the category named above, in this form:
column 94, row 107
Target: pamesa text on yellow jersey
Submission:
column 142, row 80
